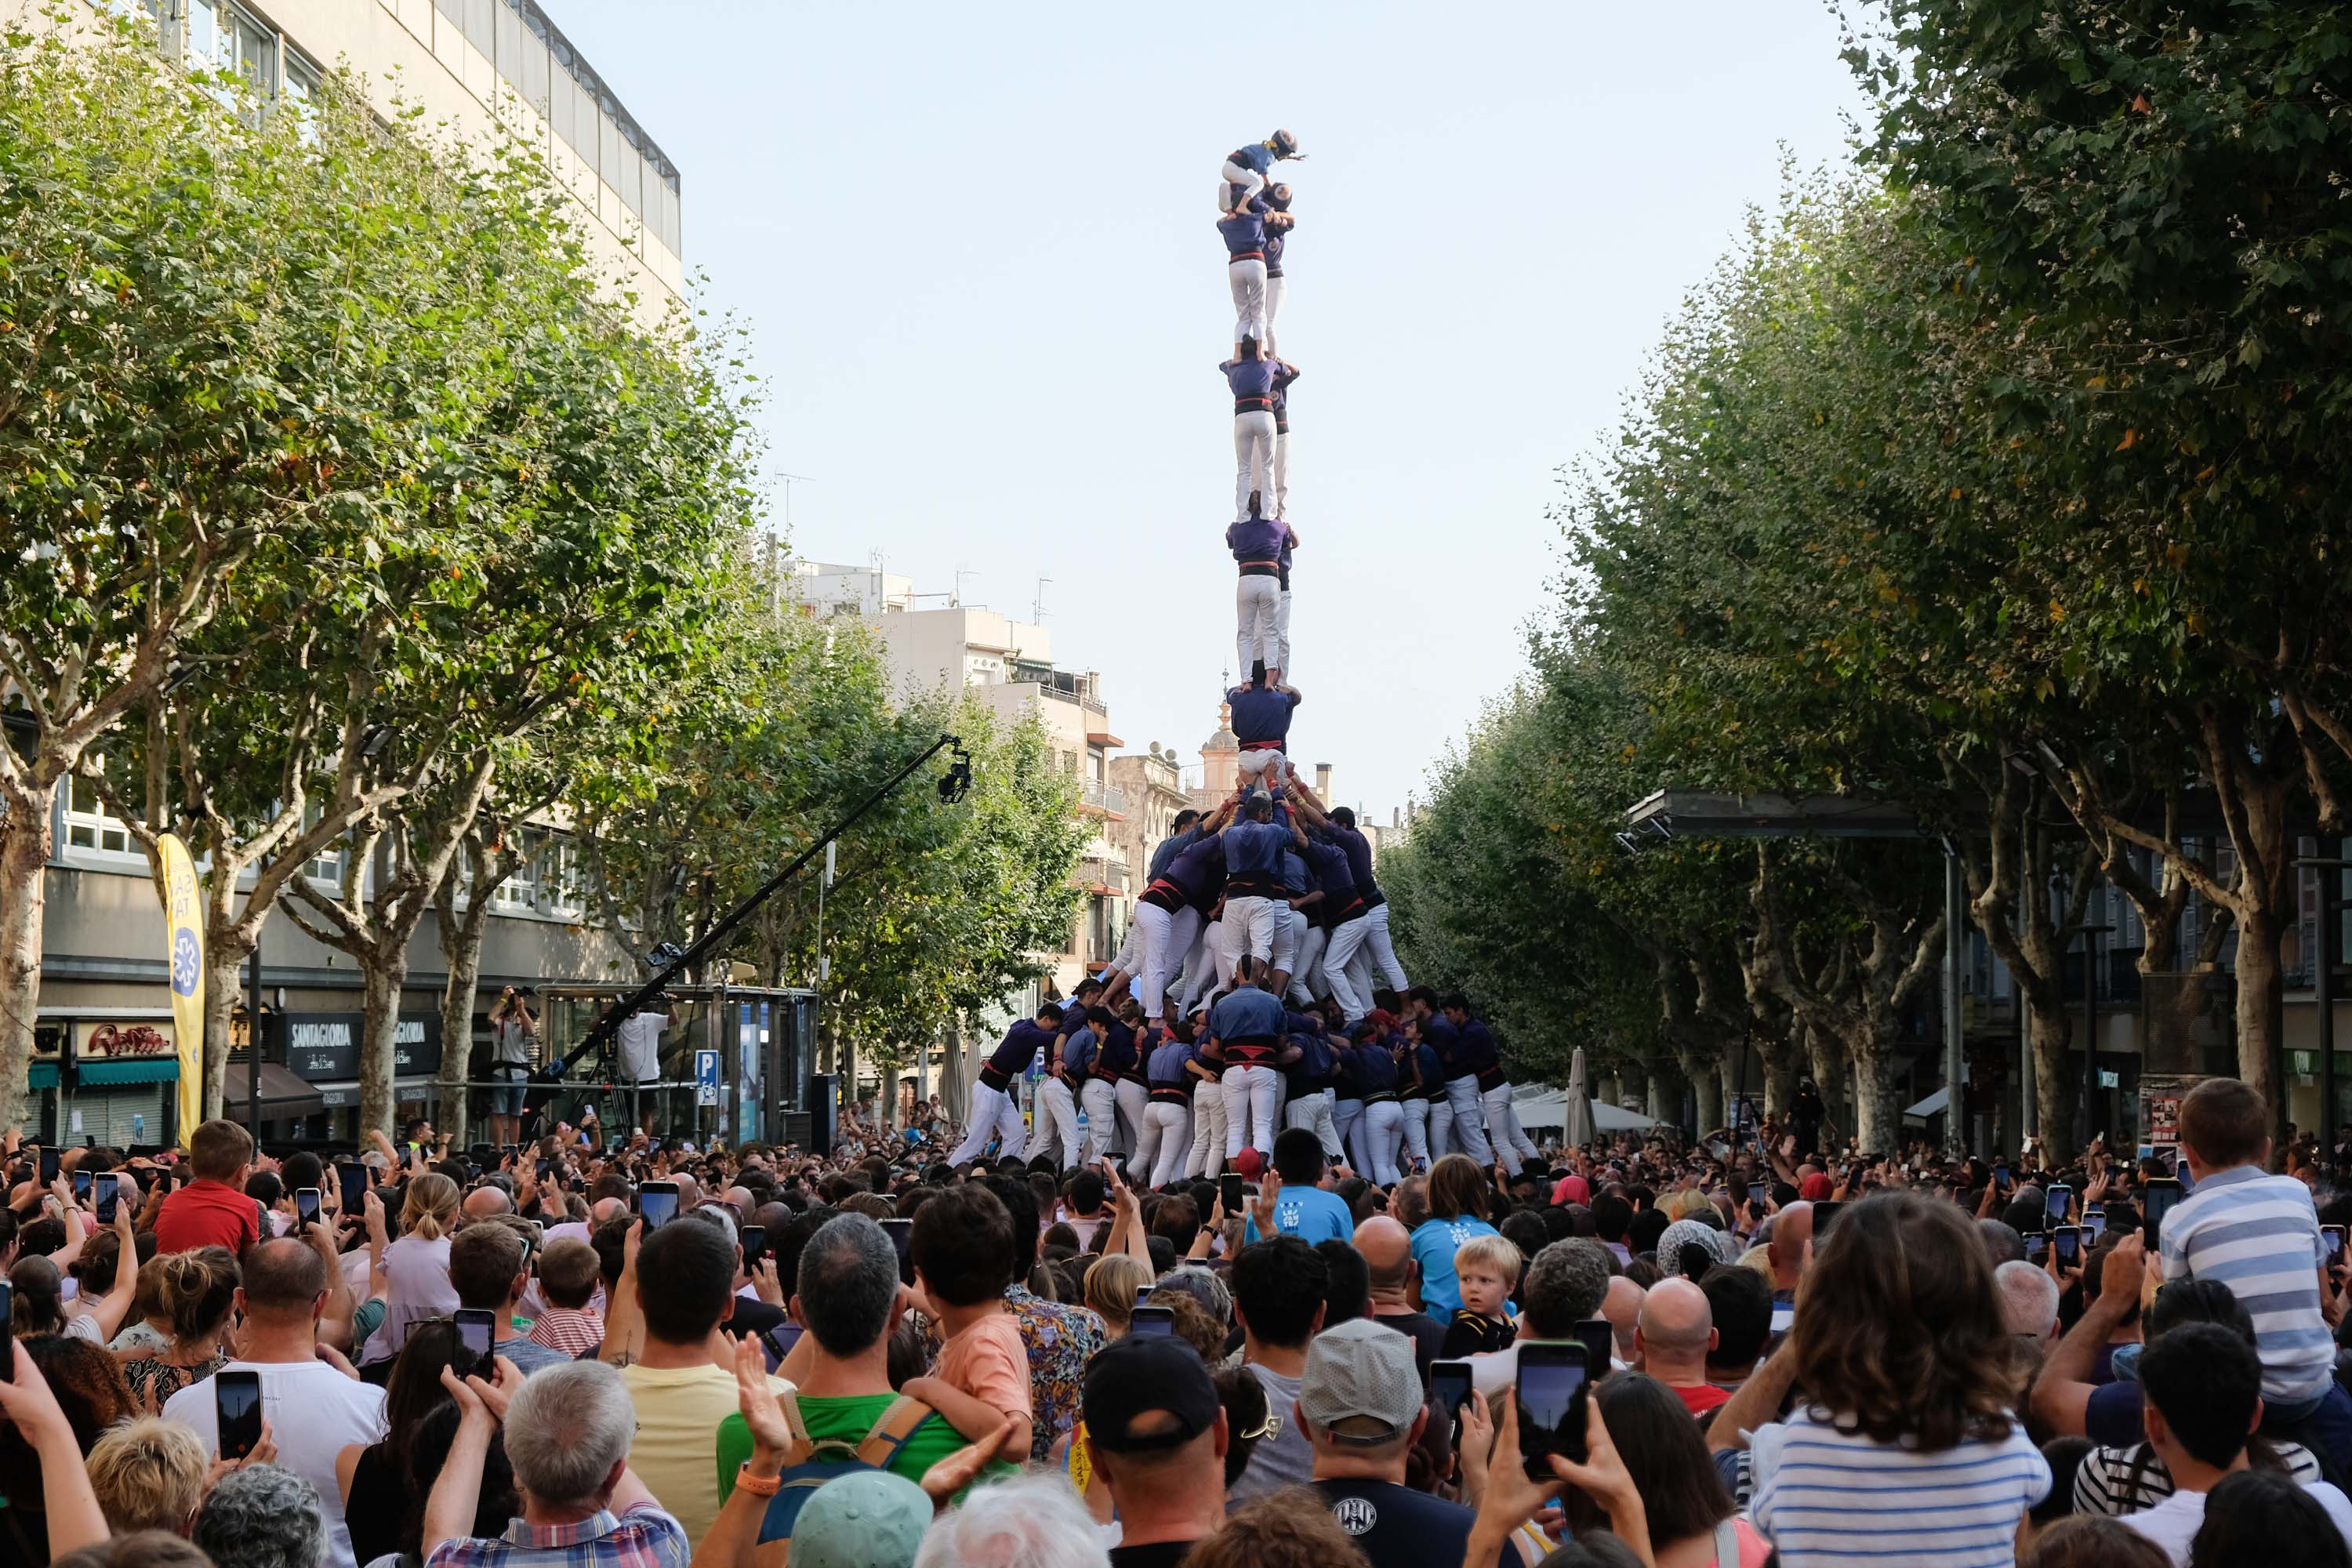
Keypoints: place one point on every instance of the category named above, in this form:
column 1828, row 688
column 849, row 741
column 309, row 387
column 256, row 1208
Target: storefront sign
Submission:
column 324, row 1047
column 113, row 1039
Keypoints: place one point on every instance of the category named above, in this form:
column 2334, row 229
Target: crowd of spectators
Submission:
column 1738, row 1352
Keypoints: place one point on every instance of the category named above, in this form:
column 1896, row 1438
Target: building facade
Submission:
column 106, row 1065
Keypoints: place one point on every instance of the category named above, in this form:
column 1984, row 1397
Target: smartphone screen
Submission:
column 2062, row 1198
column 2333, row 1235
column 902, row 1235
column 354, row 1178
column 545, row 1166
column 755, row 1244
column 49, row 1158
column 2000, row 1175
column 237, row 1406
column 81, row 1183
column 2156, row 1197
column 658, row 1204
column 1600, row 1342
column 1757, row 1192
column 2069, row 1242
column 307, row 1205
column 476, row 1332
column 103, row 1187
column 1143, row 1294
column 1152, row 1320
column 2037, row 1247
column 1551, row 1405
column 1450, row 1386
column 1229, row 1188
column 2094, row 1221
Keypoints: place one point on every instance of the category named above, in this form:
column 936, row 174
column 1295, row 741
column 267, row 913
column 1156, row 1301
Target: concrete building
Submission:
column 104, row 1064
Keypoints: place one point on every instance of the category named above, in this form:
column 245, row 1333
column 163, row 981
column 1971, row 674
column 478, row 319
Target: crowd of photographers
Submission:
column 636, row 1352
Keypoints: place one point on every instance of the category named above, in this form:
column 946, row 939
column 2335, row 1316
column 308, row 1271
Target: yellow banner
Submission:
column 184, row 917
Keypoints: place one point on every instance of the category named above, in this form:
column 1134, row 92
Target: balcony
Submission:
column 1098, row 875
column 1107, row 799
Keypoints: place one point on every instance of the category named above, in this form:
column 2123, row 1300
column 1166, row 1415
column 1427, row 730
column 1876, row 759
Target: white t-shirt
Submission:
column 314, row 1413
column 2172, row 1524
column 1830, row 1497
column 641, row 1036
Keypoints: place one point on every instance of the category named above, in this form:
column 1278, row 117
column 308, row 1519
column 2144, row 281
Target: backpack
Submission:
column 812, row 1462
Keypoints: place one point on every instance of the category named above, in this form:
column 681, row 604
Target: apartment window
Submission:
column 89, row 825
column 520, row 892
column 301, row 96
column 508, row 59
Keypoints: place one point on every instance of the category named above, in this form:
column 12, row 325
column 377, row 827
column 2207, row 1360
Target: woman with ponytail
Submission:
column 195, row 1291
column 417, row 1265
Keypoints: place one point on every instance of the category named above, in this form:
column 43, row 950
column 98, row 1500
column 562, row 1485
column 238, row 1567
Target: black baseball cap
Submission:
column 1145, row 1375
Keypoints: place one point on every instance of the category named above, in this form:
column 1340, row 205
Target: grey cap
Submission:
column 866, row 1518
column 1360, row 1387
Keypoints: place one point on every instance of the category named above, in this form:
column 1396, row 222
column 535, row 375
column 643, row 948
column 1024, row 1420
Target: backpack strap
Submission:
column 1726, row 1545
column 890, row 1434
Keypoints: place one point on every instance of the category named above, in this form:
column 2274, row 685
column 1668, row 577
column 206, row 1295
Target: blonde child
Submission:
column 1487, row 1268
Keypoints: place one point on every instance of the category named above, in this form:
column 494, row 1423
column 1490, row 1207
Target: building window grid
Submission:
column 91, row 826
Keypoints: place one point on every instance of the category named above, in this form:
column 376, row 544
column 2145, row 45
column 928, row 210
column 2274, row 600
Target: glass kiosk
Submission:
column 762, row 1037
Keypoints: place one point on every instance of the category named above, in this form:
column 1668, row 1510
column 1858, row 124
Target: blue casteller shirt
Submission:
column 1253, row 858
column 1256, row 539
column 1282, row 376
column 1251, row 377
column 1170, row 847
column 1441, row 1034
column 1359, row 862
column 1310, row 1214
column 1078, row 1052
column 1274, row 238
column 1248, row 1015
column 1256, row 156
column 1261, row 714
column 1477, row 1053
column 1243, row 236
column 1169, row 1060
column 1021, row 1043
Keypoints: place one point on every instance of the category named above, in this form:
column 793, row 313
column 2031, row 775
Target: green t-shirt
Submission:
column 845, row 1419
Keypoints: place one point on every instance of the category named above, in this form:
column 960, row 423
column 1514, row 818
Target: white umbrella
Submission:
column 1578, row 1126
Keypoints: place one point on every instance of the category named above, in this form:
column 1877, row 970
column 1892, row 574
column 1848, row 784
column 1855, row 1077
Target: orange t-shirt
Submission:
column 987, row 1362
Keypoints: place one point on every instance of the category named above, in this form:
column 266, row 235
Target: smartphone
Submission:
column 2333, row 1236
column 476, row 1332
column 755, row 1244
column 2094, row 1221
column 1143, row 1294
column 307, row 1203
column 2001, row 1175
column 8, row 1333
column 1229, row 1188
column 1450, row 1386
column 81, row 1184
column 2061, row 1199
column 2037, row 1247
column 1152, row 1320
column 545, row 1166
column 237, row 1407
column 658, row 1204
column 1757, row 1192
column 902, row 1235
column 1823, row 1212
column 1600, row 1342
column 50, row 1159
column 2157, row 1196
column 2068, row 1239
column 1552, row 1387
column 103, row 1187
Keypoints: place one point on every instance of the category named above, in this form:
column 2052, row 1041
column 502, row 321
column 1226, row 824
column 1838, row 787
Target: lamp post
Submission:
column 2323, row 994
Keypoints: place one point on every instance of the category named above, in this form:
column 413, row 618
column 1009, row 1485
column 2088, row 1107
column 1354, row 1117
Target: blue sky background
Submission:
column 975, row 249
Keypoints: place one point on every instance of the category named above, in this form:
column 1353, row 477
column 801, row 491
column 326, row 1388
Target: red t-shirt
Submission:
column 207, row 1214
column 1701, row 1398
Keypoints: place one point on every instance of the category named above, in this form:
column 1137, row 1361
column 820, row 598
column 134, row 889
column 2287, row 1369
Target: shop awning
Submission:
column 44, row 1075
column 283, row 1095
column 103, row 1073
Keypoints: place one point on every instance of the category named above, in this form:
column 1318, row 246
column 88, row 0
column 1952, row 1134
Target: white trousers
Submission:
column 1344, row 963
column 1102, row 1117
column 1250, row 181
column 1254, row 466
column 1374, row 1141
column 1246, row 276
column 1313, row 1112
column 995, row 1114
column 1276, row 288
column 1282, row 629
column 1165, row 938
column 1055, row 1123
column 1383, row 951
column 1502, row 1125
column 1346, row 1115
column 1249, row 925
column 1130, row 1099
column 1257, row 622
column 1204, row 967
column 1281, row 497
column 1469, row 1118
column 1416, row 1132
column 1162, row 1148
column 1208, row 1155
column 1441, row 1129
column 1251, row 764
column 1251, row 1095
column 1306, row 954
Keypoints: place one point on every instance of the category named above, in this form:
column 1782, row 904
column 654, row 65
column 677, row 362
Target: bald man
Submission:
column 1623, row 1307
column 1671, row 1339
column 1386, row 1248
column 488, row 1202
column 1792, row 1236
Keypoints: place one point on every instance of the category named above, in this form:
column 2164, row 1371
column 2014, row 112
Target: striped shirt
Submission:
column 2259, row 1234
column 641, row 1537
column 1828, row 1497
column 2115, row 1481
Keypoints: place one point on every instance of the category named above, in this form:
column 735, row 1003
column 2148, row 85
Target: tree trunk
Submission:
column 465, row 961
column 380, row 991
column 1780, row 1072
column 1828, row 1059
column 2262, row 992
column 2054, row 1084
column 1878, row 1109
column 1706, row 1090
column 25, row 840
column 224, row 985
column 1666, row 1102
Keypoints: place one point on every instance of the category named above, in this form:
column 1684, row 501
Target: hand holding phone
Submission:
column 237, row 1410
column 477, row 1333
column 1553, row 1388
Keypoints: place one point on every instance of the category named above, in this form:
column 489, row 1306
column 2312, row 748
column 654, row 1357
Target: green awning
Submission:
column 43, row 1076
column 129, row 1070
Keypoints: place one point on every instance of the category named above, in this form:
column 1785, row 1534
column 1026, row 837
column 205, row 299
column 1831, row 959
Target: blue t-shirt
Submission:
column 1261, row 714
column 1310, row 1214
column 1251, row 377
column 1242, row 234
column 1435, row 1243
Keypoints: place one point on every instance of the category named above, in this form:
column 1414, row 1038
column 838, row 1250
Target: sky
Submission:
column 974, row 248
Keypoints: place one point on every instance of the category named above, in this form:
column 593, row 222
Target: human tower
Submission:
column 1259, row 978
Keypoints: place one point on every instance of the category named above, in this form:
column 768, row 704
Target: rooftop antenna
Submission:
column 961, row 572
column 1037, row 605
column 790, row 481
